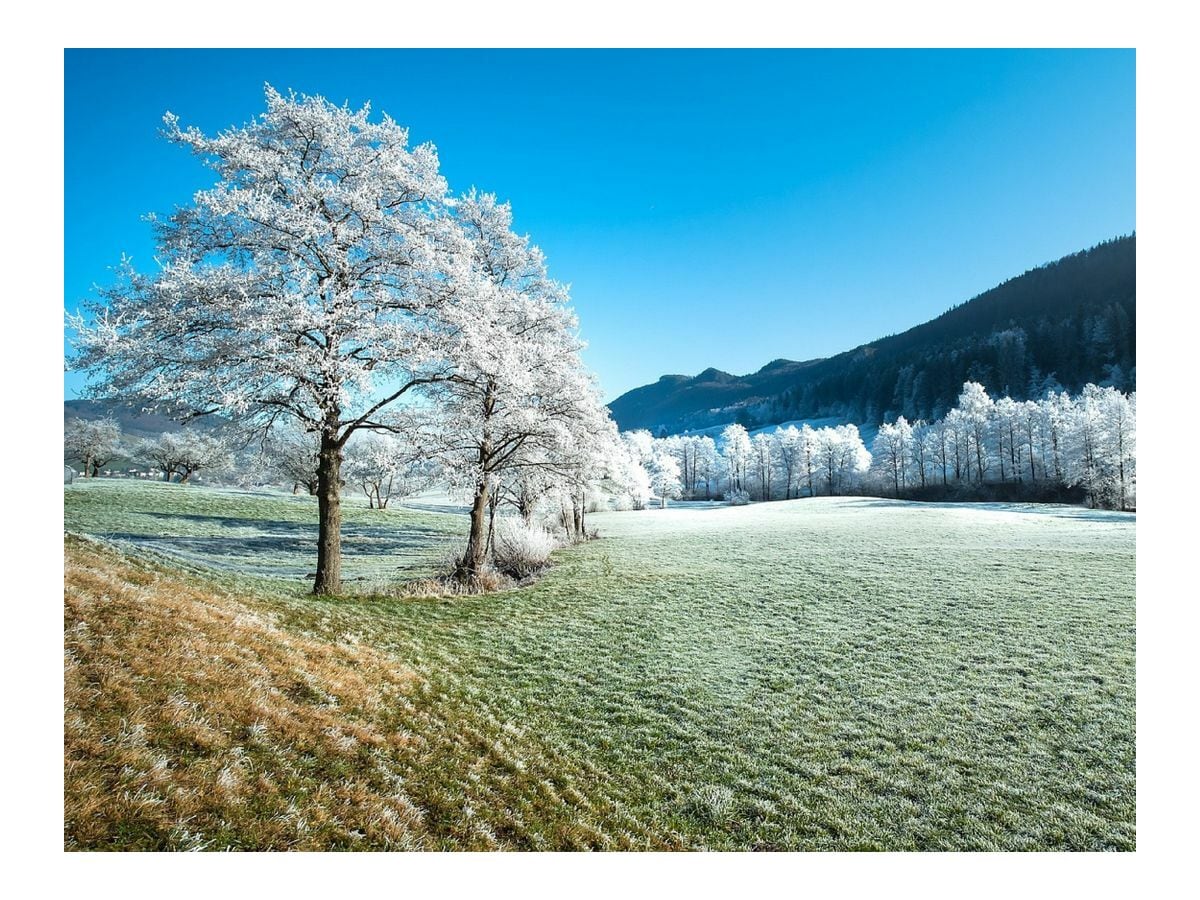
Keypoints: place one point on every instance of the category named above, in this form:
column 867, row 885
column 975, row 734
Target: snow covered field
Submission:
column 833, row 673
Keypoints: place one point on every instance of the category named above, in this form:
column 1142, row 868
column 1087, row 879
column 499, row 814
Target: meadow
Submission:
column 819, row 674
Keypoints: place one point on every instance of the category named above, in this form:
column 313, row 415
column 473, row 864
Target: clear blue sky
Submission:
column 709, row 208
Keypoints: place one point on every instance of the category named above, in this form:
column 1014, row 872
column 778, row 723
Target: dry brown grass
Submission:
column 193, row 720
column 191, row 717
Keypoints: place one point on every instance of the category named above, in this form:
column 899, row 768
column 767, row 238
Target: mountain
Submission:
column 134, row 422
column 1058, row 326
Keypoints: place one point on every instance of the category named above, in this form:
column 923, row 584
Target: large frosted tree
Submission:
column 513, row 393
column 301, row 287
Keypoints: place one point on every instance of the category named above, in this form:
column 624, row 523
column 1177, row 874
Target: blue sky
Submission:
column 709, row 208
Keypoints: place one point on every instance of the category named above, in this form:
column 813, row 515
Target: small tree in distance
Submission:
column 184, row 453
column 92, row 442
column 385, row 468
column 294, row 455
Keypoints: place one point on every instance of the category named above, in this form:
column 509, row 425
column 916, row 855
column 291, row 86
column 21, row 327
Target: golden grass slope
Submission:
column 194, row 721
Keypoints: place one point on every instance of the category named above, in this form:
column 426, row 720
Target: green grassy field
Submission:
column 817, row 674
column 267, row 534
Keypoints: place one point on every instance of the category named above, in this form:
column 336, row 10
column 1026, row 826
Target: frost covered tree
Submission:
column 302, row 287
column 788, row 452
column 957, row 434
column 294, row 454
column 513, row 392
column 681, row 447
column 762, row 462
column 1101, row 443
column 640, row 443
column 736, row 451
column 1057, row 412
column 385, row 467
column 976, row 408
column 524, row 489
column 695, row 455
column 920, row 452
column 664, row 475
column 940, row 438
column 841, row 457
column 1010, row 450
column 92, row 442
column 808, row 457
column 891, row 451
column 1085, row 434
column 630, row 474
column 708, row 464
column 1029, row 424
column 183, row 453
column 1120, row 414
column 586, row 455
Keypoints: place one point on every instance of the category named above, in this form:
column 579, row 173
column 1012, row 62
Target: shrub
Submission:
column 737, row 498
column 520, row 550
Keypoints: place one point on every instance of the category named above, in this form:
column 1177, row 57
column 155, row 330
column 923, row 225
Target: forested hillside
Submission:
column 1060, row 325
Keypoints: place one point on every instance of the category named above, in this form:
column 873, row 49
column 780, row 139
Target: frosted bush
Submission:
column 520, row 550
column 737, row 498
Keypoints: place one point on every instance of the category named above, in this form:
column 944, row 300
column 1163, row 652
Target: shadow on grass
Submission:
column 1058, row 511
column 284, row 549
column 281, row 527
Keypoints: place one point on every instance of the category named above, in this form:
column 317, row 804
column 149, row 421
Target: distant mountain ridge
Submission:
column 134, row 422
column 1062, row 324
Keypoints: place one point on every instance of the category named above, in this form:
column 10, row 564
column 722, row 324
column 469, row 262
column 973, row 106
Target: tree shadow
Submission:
column 284, row 549
column 277, row 526
column 1057, row 510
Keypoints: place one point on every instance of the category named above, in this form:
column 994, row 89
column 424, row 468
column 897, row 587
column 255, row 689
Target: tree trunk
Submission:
column 471, row 565
column 329, row 512
column 493, row 503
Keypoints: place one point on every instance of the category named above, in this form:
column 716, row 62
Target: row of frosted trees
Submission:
column 1041, row 448
column 791, row 462
column 1087, row 442
column 177, row 456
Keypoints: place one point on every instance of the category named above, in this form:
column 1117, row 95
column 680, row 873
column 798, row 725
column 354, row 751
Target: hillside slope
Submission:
column 1059, row 325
